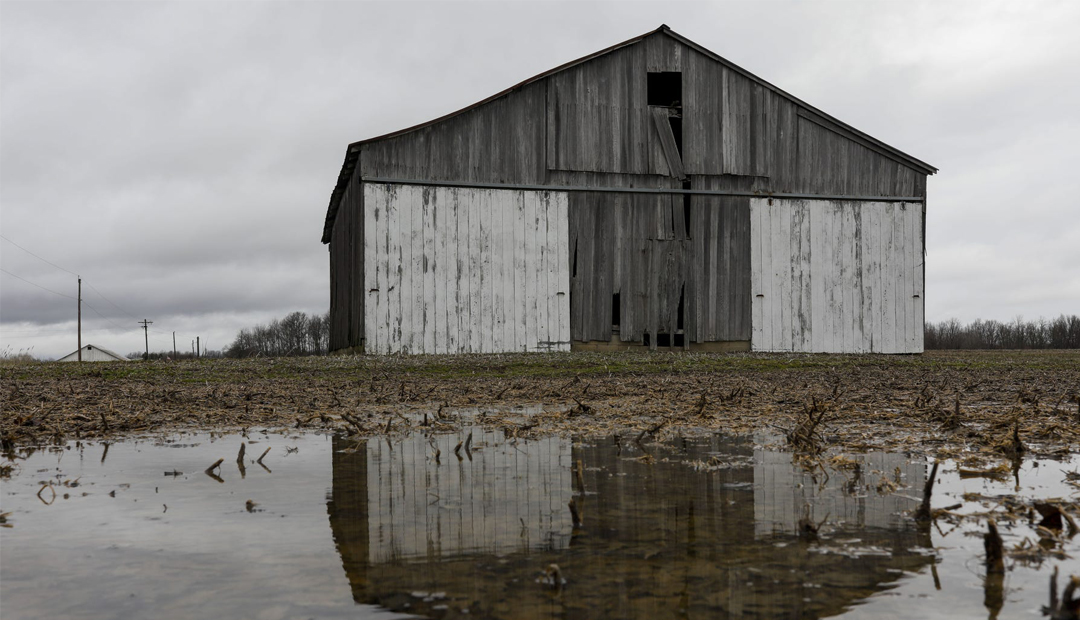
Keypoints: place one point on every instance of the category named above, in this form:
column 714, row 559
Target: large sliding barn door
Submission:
column 464, row 270
column 837, row 276
column 661, row 269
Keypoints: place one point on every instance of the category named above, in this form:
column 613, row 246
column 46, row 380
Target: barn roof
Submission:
column 75, row 354
column 352, row 152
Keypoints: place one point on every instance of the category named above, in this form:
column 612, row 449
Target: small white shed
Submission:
column 93, row 353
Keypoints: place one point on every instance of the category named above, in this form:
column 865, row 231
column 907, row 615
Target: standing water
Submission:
column 473, row 524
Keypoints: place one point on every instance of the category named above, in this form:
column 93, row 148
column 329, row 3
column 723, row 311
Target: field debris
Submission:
column 1068, row 606
column 941, row 404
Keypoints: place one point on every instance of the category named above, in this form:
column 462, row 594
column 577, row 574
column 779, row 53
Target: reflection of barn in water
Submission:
column 657, row 537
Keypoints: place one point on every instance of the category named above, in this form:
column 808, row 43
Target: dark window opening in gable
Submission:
column 665, row 89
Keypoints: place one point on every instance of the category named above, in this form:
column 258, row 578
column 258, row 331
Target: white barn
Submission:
column 93, row 353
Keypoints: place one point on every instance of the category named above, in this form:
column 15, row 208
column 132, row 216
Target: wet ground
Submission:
column 468, row 522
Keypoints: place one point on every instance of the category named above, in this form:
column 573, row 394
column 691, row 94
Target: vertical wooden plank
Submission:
column 718, row 219
column 487, row 318
column 529, row 231
column 448, row 269
column 475, row 271
column 853, row 280
column 394, row 270
column 903, row 298
column 461, row 271
column 374, row 259
column 908, row 249
column 844, row 278
column 916, row 241
column 858, row 291
column 869, row 261
column 800, row 266
column 519, row 272
column 888, row 283
column 416, row 243
column 783, row 264
column 497, row 273
column 553, row 257
column 807, row 282
column 508, row 206
column 439, row 268
column 543, row 291
column 777, row 268
column 406, row 204
column 818, row 252
column 562, row 287
column 835, row 284
column 428, row 262
column 757, row 274
column 769, row 301
column 876, row 254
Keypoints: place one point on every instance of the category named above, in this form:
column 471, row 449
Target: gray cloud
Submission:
column 180, row 155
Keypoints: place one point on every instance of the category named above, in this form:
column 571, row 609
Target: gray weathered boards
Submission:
column 685, row 203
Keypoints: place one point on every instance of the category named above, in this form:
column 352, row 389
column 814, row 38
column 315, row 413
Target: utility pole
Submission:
column 174, row 345
column 146, row 336
column 80, row 318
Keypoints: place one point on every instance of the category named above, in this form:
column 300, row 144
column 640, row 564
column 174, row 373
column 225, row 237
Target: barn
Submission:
column 93, row 353
column 651, row 194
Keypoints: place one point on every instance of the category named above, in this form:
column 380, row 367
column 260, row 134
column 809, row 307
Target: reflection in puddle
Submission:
column 472, row 524
column 699, row 526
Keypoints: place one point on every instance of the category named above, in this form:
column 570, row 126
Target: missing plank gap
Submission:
column 616, row 311
column 680, row 322
column 686, row 208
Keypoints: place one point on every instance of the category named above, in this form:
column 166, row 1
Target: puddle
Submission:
column 334, row 527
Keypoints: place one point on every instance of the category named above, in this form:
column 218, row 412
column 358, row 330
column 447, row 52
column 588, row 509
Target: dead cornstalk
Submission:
column 923, row 513
column 995, row 549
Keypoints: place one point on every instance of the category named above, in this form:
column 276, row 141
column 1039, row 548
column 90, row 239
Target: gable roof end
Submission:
column 352, row 152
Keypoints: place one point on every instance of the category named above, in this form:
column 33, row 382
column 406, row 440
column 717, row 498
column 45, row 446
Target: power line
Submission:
column 103, row 316
column 36, row 256
column 63, row 295
column 37, row 285
column 48, row 262
column 130, row 316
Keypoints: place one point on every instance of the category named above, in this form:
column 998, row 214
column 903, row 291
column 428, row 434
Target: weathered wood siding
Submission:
column 590, row 125
column 459, row 270
column 501, row 142
column 347, row 272
column 837, row 276
column 640, row 247
column 504, row 500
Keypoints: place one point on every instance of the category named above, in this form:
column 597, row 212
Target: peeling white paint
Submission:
column 463, row 270
column 836, row 276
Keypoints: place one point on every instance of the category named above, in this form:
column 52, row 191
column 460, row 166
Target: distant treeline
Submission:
column 1060, row 333
column 297, row 334
column 168, row 355
column 300, row 334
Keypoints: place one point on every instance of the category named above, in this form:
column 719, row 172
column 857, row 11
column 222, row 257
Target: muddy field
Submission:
column 979, row 406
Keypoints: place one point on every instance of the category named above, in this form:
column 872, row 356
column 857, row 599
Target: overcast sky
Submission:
column 180, row 156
